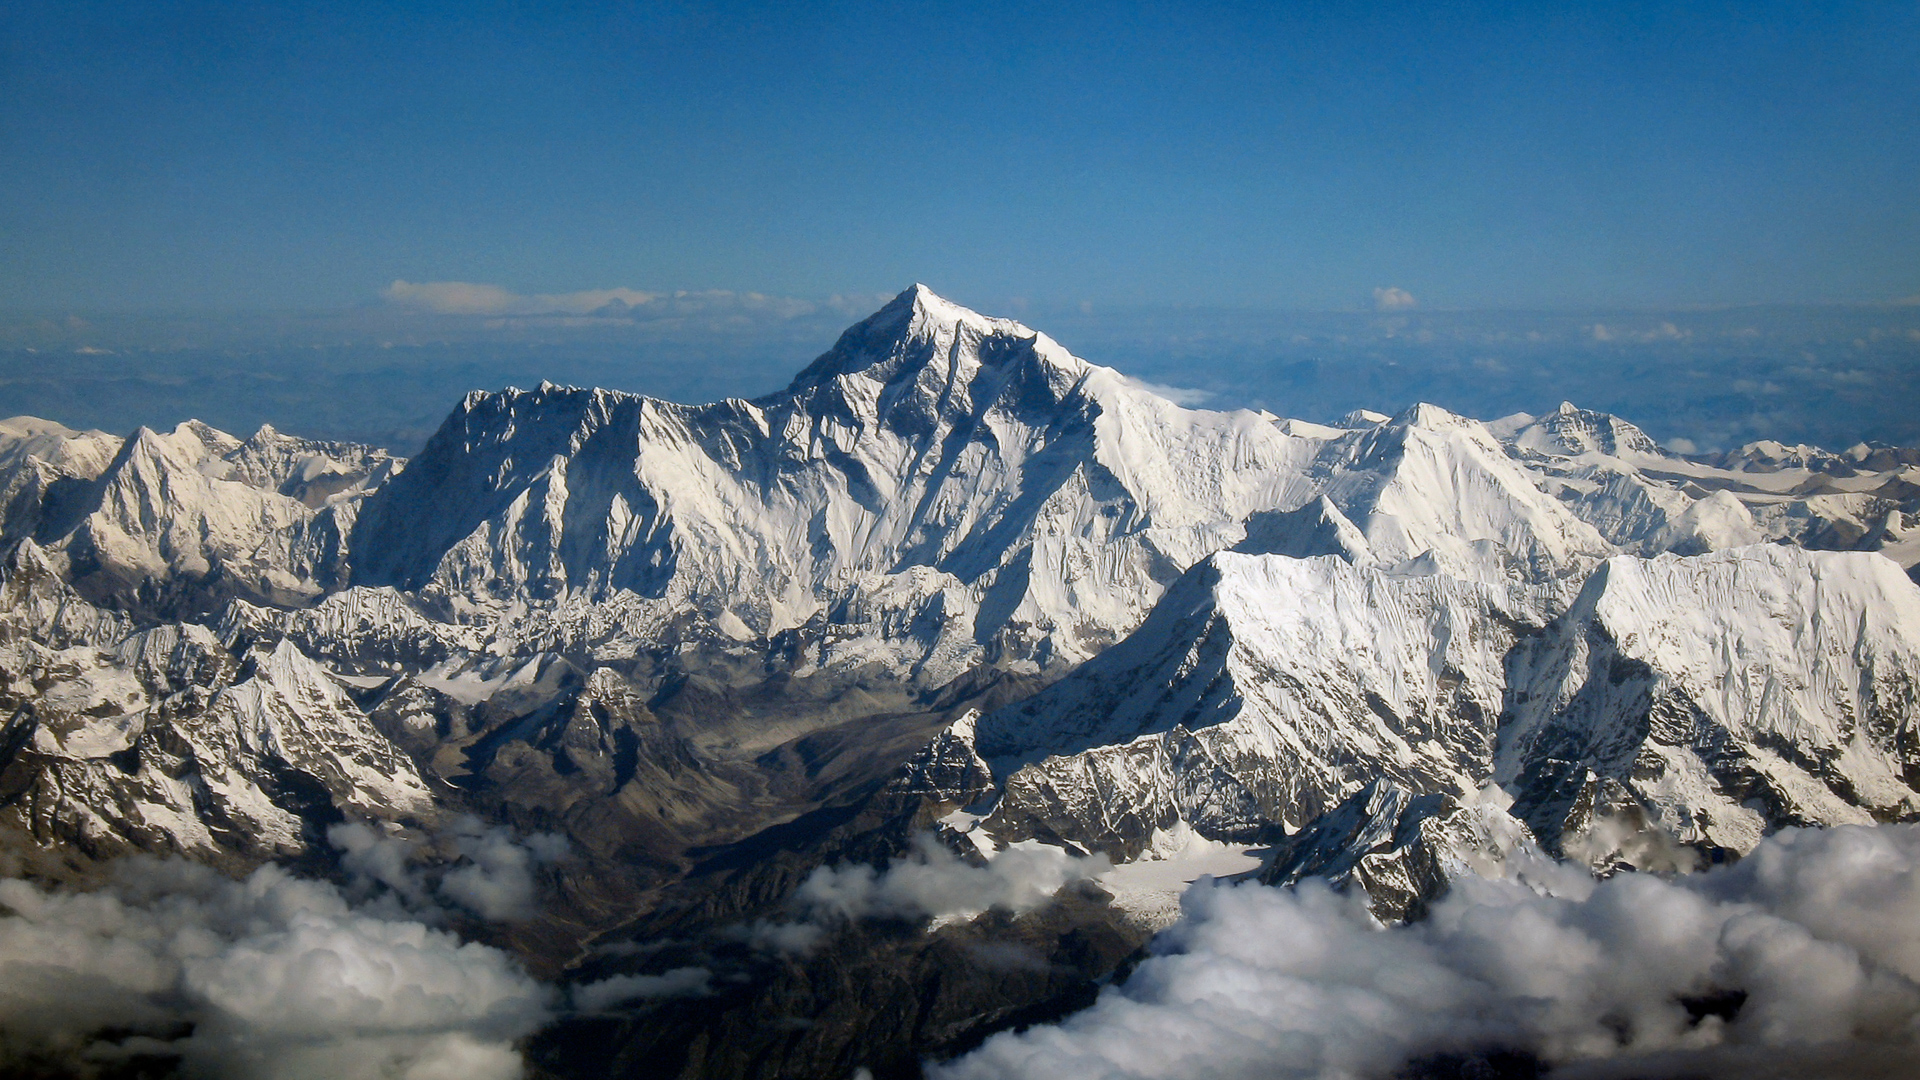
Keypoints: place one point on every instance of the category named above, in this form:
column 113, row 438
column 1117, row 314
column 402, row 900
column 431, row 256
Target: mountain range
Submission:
column 953, row 586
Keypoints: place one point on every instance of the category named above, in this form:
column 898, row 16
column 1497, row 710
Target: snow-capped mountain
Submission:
column 1722, row 696
column 1709, row 699
column 176, row 523
column 954, row 574
column 1647, row 500
column 164, row 740
column 1261, row 692
column 1016, row 495
column 1429, row 485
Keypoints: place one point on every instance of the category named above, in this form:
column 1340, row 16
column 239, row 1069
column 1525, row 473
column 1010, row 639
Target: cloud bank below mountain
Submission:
column 1801, row 960
column 271, row 976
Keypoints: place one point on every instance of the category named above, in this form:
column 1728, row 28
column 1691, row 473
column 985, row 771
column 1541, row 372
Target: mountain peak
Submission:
column 918, row 328
column 1432, row 417
column 931, row 309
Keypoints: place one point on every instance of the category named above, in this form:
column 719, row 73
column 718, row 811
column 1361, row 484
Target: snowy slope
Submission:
column 1725, row 696
column 1647, row 500
column 162, row 740
column 1678, row 703
column 42, row 466
column 176, row 522
column 621, row 614
column 1429, row 484
column 1261, row 692
column 1047, row 499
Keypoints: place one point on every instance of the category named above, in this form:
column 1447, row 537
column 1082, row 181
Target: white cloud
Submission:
column 1663, row 331
column 935, row 882
column 931, row 882
column 475, row 298
column 1392, row 298
column 619, row 989
column 271, row 976
column 1800, row 960
column 1179, row 395
column 495, row 878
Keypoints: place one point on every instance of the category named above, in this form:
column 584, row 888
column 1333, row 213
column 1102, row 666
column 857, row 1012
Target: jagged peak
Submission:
column 284, row 667
column 929, row 309
column 28, row 561
column 1361, row 418
column 215, row 441
column 554, row 402
column 182, row 450
column 1317, row 528
column 919, row 327
column 147, row 445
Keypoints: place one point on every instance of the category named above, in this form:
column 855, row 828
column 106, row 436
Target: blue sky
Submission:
column 1279, row 156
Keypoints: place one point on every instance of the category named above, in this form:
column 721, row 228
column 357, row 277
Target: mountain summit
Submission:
column 934, row 459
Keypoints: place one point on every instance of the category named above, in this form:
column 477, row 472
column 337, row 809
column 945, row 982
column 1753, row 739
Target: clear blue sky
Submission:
column 1283, row 155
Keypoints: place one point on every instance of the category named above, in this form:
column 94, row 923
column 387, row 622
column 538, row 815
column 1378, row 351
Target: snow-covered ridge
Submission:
column 1723, row 696
column 1052, row 498
column 1313, row 619
column 1705, row 700
column 1647, row 500
column 162, row 740
column 179, row 521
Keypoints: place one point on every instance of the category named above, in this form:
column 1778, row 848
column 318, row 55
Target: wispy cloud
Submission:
column 930, row 882
column 479, row 298
column 1188, row 397
column 1661, row 331
column 475, row 298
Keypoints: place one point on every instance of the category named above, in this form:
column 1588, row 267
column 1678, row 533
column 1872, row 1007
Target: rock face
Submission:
column 952, row 576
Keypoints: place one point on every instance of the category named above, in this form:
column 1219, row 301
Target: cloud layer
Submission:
column 492, row 877
column 930, row 883
column 934, row 882
column 1801, row 960
column 272, row 976
column 476, row 298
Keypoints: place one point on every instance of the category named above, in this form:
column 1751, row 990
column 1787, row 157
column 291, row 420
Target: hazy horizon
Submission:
column 388, row 372
column 338, row 218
